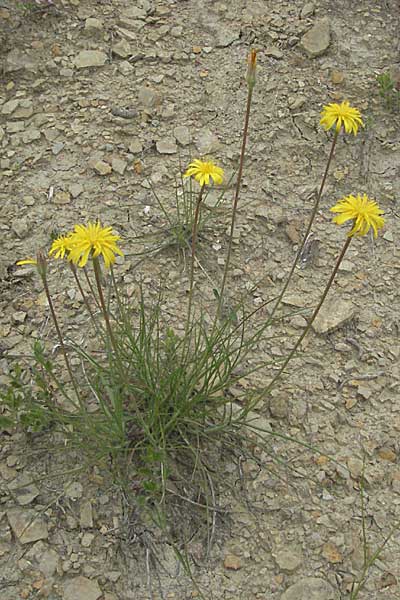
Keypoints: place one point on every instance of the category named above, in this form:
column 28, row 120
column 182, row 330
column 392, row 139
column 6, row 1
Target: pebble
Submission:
column 331, row 553
column 86, row 515
column 28, row 526
column 62, row 198
column 206, row 142
column 232, row 562
column 102, row 168
column 307, row 10
column 182, row 135
column 166, row 146
column 73, row 490
column 148, row 97
column 93, row 26
column 122, row 49
column 316, row 41
column 81, row 588
column 119, row 165
column 334, row 313
column 274, row 52
column 355, row 466
column 136, row 147
column 22, row 488
column 310, row 588
column 289, row 559
column 75, row 189
column 90, row 58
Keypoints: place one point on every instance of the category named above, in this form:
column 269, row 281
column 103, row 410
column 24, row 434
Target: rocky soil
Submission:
column 99, row 102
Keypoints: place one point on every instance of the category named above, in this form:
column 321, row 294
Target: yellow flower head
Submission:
column 202, row 171
column 364, row 212
column 61, row 246
column 90, row 241
column 26, row 261
column 341, row 114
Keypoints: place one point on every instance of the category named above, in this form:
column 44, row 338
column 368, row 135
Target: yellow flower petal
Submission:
column 342, row 115
column 26, row 261
column 90, row 241
column 364, row 212
column 202, row 171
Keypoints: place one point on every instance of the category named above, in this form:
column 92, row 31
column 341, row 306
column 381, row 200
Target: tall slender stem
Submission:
column 235, row 200
column 194, row 241
column 60, row 337
column 97, row 274
column 315, row 313
column 84, row 297
column 309, row 226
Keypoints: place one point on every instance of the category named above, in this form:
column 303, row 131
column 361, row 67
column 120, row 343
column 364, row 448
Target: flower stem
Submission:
column 84, row 297
column 235, row 200
column 314, row 315
column 97, row 274
column 194, row 241
column 60, row 337
column 309, row 226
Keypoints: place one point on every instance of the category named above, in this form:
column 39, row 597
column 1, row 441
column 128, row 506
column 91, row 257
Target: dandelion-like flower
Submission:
column 202, row 171
column 364, row 212
column 90, row 241
column 61, row 246
column 341, row 114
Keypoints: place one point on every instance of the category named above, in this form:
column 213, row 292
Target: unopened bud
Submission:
column 41, row 264
column 251, row 69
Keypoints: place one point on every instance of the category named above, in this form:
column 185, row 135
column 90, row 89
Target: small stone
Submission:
column 307, row 10
column 119, row 165
column 334, row 313
column 148, row 97
column 125, row 68
column 49, row 562
column 2, row 133
column 387, row 454
column 232, row 562
column 73, row 490
column 206, row 142
column 24, row 110
column 81, row 588
column 102, row 167
column 122, row 49
column 30, row 135
column 93, row 26
column 316, row 41
column 9, row 107
column 75, row 189
column 226, row 37
column 86, row 516
column 289, row 559
column 19, row 317
column 136, row 147
column 28, row 526
column 62, row 198
column 22, row 487
column 182, row 135
column 87, row 539
column 337, row 77
column 57, row 147
column 21, row 227
column 355, row 466
column 274, row 53
column 278, row 407
column 166, row 146
column 90, row 58
column 310, row 588
column 388, row 236
column 331, row 553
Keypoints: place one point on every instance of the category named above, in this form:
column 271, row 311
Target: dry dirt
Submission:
column 80, row 143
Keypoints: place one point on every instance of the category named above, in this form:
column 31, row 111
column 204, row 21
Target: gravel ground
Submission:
column 99, row 98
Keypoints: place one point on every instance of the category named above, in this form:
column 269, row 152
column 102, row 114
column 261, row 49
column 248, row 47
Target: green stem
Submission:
column 235, row 200
column 60, row 337
column 314, row 315
column 84, row 297
column 309, row 226
column 194, row 241
column 97, row 274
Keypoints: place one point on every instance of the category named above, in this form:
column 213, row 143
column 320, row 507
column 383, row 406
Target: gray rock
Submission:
column 316, row 41
column 2, row 133
column 334, row 313
column 93, row 26
column 148, row 97
column 57, row 147
column 226, row 37
column 28, row 526
column 119, row 165
column 102, row 167
column 206, row 142
column 182, row 135
column 73, row 490
column 125, row 68
column 9, row 107
column 90, row 58
column 22, row 488
column 274, row 52
column 86, row 515
column 136, row 147
column 289, row 559
column 122, row 49
column 21, row 227
column 49, row 562
column 17, row 59
column 62, row 198
column 30, row 135
column 307, row 10
column 310, row 588
column 75, row 189
column 166, row 146
column 81, row 588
